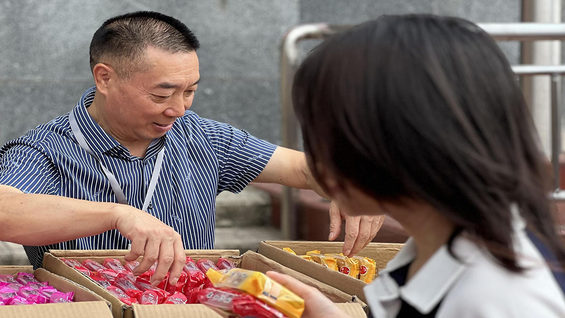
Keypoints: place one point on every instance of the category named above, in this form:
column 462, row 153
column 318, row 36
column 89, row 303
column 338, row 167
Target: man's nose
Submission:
column 177, row 107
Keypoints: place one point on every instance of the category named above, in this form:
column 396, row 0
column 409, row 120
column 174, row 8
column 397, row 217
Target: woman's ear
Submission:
column 103, row 77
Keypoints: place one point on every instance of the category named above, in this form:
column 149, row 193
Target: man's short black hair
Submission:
column 121, row 40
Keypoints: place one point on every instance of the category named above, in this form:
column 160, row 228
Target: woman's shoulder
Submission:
column 487, row 289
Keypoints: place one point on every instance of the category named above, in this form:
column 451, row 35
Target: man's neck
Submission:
column 137, row 149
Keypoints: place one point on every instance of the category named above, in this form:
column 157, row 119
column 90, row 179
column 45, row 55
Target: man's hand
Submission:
column 152, row 239
column 359, row 230
column 316, row 304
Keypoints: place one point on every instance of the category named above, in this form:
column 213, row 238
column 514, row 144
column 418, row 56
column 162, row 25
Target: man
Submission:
column 131, row 139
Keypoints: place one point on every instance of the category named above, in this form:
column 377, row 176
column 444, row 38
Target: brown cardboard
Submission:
column 175, row 311
column 87, row 304
column 202, row 311
column 380, row 252
column 249, row 260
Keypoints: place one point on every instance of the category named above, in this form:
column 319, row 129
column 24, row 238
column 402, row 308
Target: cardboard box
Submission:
column 87, row 304
column 249, row 260
column 380, row 252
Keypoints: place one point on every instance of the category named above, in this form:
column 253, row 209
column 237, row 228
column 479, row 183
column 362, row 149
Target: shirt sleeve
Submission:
column 28, row 169
column 241, row 156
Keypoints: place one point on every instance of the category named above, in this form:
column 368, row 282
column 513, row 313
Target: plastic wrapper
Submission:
column 18, row 300
column 38, row 299
column 60, row 297
column 179, row 286
column 24, row 278
column 224, row 263
column 260, row 286
column 27, row 291
column 205, row 264
column 131, row 265
column 149, row 297
column 247, row 307
column 93, row 266
column 176, row 298
column 195, row 277
column 7, row 278
column 163, row 283
column 115, row 265
column 347, row 266
column 36, row 285
column 109, row 274
column 33, row 294
column 121, row 295
column 76, row 265
column 367, row 268
column 149, row 273
column 288, row 249
column 191, row 294
column 145, row 285
column 47, row 291
column 99, row 279
column 219, row 298
column 128, row 287
column 326, row 261
column 7, row 293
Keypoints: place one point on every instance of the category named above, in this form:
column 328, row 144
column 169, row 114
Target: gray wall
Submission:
column 44, row 50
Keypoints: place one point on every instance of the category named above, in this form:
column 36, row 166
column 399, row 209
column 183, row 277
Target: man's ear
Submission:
column 104, row 75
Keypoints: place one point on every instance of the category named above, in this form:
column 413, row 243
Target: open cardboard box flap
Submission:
column 249, row 260
column 87, row 304
column 380, row 252
column 353, row 310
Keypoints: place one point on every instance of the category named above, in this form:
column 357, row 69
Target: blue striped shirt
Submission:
column 202, row 158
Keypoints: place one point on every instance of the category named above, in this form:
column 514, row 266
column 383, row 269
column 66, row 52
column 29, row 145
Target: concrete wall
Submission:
column 44, row 50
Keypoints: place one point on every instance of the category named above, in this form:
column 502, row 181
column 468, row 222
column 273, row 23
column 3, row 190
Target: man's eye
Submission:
column 160, row 96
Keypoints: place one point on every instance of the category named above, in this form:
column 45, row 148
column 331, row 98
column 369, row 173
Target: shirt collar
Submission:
column 98, row 140
column 425, row 290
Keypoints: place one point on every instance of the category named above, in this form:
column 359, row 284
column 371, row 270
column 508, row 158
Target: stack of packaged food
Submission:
column 360, row 267
column 25, row 289
column 218, row 284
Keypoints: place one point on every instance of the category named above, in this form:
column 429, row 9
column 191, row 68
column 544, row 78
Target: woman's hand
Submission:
column 316, row 304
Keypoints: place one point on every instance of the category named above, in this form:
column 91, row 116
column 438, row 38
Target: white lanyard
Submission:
column 113, row 181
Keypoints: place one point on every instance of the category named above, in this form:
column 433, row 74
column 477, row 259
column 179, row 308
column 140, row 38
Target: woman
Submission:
column 420, row 118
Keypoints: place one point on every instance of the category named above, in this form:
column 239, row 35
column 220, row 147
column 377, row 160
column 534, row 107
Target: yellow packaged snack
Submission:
column 288, row 249
column 261, row 287
column 316, row 257
column 306, row 257
column 347, row 266
column 330, row 262
column 313, row 252
column 367, row 268
column 323, row 260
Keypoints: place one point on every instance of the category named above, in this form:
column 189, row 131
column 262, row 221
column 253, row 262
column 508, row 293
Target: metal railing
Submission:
column 499, row 31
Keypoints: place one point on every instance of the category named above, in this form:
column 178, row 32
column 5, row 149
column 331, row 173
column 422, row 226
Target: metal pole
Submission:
column 555, row 129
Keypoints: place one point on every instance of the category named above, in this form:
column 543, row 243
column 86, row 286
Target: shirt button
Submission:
column 150, row 206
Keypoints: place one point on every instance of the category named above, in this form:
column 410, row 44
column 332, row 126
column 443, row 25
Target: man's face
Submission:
column 145, row 105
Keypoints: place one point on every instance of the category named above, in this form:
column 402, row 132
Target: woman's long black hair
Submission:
column 427, row 108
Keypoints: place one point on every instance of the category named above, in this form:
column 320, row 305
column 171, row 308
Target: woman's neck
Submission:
column 428, row 228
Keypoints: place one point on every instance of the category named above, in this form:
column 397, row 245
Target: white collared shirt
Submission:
column 475, row 287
